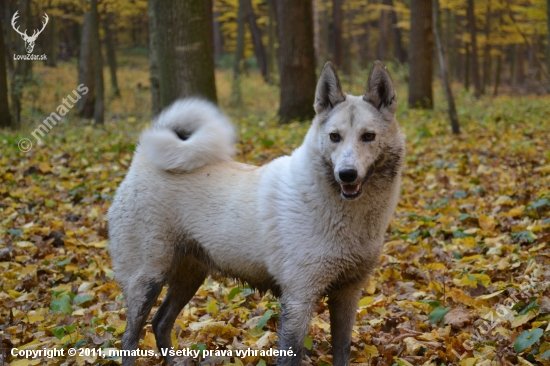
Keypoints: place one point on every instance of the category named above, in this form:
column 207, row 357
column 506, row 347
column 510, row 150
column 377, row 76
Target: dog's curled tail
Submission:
column 187, row 135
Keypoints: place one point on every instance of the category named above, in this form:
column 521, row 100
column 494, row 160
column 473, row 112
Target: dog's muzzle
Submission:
column 350, row 189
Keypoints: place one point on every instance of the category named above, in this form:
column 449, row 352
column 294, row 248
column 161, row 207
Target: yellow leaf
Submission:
column 365, row 301
column 488, row 296
column 470, row 361
column 44, row 167
column 471, row 258
column 149, row 341
column 371, row 351
column 14, row 294
column 473, row 280
column 516, row 211
column 26, row 362
column 487, row 223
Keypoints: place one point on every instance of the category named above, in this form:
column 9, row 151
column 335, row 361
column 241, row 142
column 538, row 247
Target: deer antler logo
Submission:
column 29, row 41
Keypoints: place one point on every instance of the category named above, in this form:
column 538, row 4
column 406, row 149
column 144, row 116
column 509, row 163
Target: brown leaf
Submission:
column 458, row 317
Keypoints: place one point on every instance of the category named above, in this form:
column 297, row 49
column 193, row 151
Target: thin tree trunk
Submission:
column 444, row 69
column 5, row 13
column 22, row 69
column 521, row 74
column 337, row 26
column 259, row 49
column 5, row 116
column 421, row 55
column 400, row 53
column 316, row 30
column 498, row 73
column 548, row 35
column 98, row 66
column 153, row 60
column 475, row 63
column 487, row 51
column 111, row 53
column 218, row 38
column 383, row 42
column 186, row 65
column 467, row 68
column 296, row 60
column 86, row 103
column 236, row 95
column 51, row 61
column 271, row 35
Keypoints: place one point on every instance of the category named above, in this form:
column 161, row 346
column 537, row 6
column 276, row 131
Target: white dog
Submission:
column 305, row 226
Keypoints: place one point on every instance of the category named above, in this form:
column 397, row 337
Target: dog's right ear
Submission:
column 328, row 92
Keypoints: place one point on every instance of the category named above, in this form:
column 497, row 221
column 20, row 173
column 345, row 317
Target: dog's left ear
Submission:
column 380, row 91
column 328, row 92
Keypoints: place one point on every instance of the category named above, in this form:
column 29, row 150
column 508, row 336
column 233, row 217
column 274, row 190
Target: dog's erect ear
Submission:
column 380, row 91
column 328, row 92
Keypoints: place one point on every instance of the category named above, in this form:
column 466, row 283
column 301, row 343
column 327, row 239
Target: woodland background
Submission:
column 464, row 275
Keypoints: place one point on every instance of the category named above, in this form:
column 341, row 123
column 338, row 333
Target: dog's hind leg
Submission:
column 342, row 305
column 182, row 285
column 141, row 294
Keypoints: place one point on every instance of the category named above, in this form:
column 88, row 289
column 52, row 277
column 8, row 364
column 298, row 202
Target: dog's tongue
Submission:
column 350, row 188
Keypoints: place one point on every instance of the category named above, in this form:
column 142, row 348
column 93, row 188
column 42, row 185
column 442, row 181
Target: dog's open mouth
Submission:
column 350, row 191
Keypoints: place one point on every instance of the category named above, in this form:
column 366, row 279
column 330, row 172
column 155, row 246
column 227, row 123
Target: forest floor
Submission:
column 463, row 279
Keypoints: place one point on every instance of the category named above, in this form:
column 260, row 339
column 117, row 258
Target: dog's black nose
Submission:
column 348, row 175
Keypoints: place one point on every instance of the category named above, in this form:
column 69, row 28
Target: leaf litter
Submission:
column 463, row 278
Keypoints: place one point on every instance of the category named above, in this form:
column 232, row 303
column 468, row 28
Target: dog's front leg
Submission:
column 294, row 324
column 342, row 305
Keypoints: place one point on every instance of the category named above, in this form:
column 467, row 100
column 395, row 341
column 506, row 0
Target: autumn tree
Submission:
column 259, row 49
column 473, row 54
column 296, row 60
column 420, row 55
column 98, row 66
column 337, row 25
column 111, row 51
column 153, row 61
column 444, row 68
column 5, row 117
column 185, row 60
column 86, row 103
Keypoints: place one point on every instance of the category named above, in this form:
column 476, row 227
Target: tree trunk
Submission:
column 337, row 25
column 218, row 37
column 5, row 117
column 420, row 55
column 98, row 66
column 271, row 35
column 236, row 95
column 444, row 69
column 5, row 13
column 259, row 49
column 475, row 63
column 400, row 53
column 153, row 60
column 383, row 27
column 467, row 68
column 186, row 65
column 548, row 35
column 22, row 69
column 296, row 60
column 86, row 69
column 51, row 61
column 487, row 51
column 111, row 53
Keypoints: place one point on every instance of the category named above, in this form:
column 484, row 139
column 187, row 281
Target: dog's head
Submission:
column 358, row 136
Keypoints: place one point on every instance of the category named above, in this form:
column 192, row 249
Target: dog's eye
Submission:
column 369, row 136
column 334, row 137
